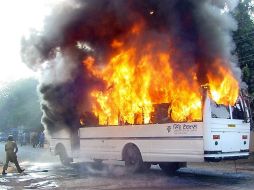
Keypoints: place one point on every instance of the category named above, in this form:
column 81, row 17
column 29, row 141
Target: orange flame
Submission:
column 223, row 89
column 135, row 80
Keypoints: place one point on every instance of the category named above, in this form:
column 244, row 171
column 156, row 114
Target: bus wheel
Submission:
column 170, row 168
column 133, row 159
column 65, row 160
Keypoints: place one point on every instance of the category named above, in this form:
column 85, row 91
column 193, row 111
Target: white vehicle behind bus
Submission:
column 223, row 134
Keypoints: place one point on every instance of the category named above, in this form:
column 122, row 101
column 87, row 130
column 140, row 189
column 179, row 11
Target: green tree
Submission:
column 244, row 39
column 19, row 105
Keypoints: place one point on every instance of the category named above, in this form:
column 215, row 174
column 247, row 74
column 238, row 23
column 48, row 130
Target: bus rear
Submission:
column 226, row 131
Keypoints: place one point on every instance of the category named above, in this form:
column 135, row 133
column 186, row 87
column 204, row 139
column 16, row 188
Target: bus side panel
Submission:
column 157, row 142
column 181, row 150
column 151, row 151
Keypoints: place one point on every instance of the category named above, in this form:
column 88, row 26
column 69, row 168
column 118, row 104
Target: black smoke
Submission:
column 199, row 29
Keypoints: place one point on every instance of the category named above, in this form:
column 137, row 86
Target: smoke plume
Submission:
column 200, row 31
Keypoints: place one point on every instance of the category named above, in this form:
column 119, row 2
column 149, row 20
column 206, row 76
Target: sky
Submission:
column 17, row 18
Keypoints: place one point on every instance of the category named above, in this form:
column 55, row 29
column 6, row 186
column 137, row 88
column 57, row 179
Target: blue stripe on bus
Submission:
column 144, row 138
column 135, row 138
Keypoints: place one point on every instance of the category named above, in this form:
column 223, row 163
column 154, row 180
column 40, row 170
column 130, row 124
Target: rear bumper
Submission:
column 216, row 156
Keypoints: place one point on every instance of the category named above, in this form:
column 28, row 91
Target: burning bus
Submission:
column 141, row 81
column 221, row 133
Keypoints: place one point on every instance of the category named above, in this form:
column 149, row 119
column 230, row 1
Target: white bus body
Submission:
column 223, row 133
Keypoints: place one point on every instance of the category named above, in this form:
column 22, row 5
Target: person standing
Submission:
column 41, row 139
column 11, row 150
column 34, row 139
column 24, row 138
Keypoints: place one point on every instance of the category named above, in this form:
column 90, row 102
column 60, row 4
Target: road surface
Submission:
column 43, row 171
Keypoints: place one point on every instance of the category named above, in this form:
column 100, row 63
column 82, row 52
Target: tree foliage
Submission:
column 19, row 105
column 244, row 39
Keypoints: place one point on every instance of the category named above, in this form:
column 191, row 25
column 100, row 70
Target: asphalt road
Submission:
column 43, row 171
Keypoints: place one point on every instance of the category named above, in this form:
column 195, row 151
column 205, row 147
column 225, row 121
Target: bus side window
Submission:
column 88, row 119
column 237, row 111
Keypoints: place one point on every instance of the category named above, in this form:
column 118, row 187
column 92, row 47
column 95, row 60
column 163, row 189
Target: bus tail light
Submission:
column 244, row 136
column 216, row 137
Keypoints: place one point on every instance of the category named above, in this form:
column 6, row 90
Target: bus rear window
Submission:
column 219, row 111
column 237, row 111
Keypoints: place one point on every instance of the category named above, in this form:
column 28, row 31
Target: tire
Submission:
column 170, row 168
column 133, row 159
column 65, row 160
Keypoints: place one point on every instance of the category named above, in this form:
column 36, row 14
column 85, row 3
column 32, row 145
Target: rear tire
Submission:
column 65, row 160
column 133, row 159
column 170, row 168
